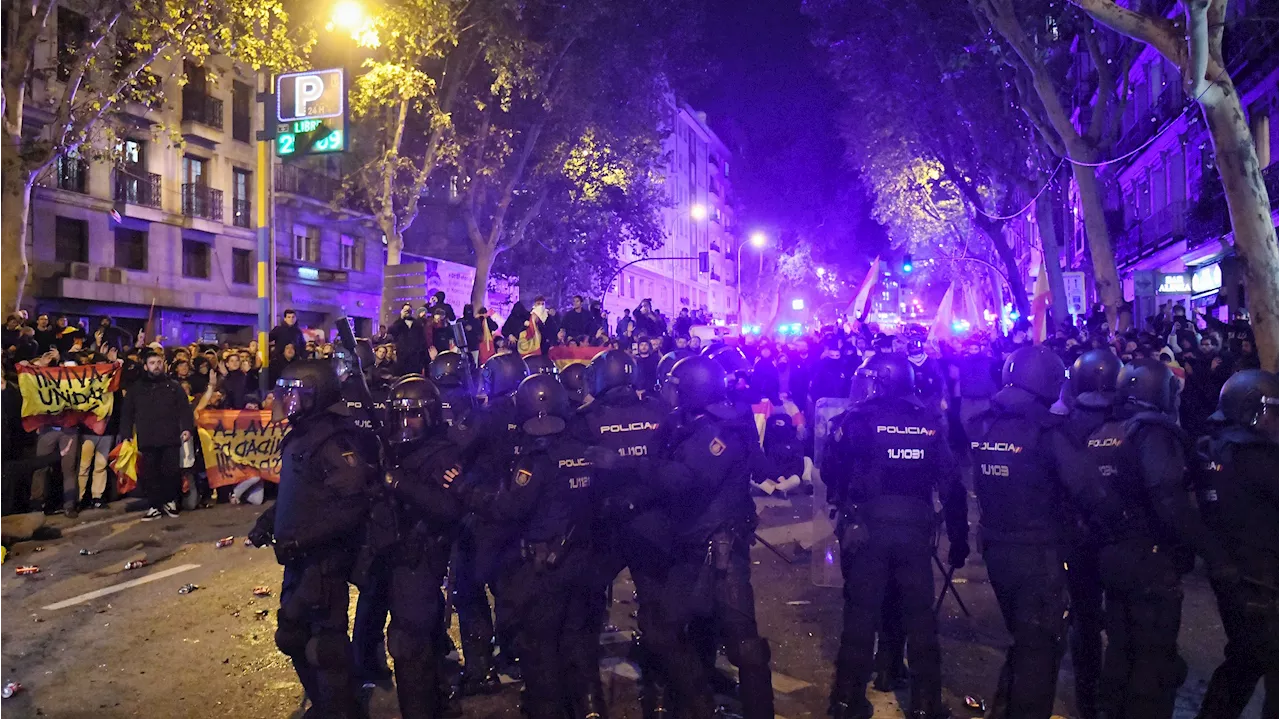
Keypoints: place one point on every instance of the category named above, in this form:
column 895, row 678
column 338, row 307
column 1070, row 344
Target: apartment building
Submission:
column 169, row 220
column 1167, row 214
column 700, row 221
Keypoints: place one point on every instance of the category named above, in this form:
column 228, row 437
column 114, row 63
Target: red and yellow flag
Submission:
column 1041, row 299
column 861, row 301
column 486, row 347
column 530, row 340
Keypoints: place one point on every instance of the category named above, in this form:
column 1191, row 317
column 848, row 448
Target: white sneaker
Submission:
column 170, row 509
column 151, row 514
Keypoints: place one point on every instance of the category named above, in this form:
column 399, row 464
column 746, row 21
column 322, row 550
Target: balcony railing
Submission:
column 137, row 188
column 301, row 181
column 66, row 173
column 240, row 213
column 203, row 202
column 1209, row 218
column 201, row 108
column 1166, row 107
column 1150, row 234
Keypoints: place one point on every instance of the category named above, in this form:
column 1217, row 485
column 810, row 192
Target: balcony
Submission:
column 715, row 276
column 307, row 183
column 715, row 246
column 137, row 188
column 241, row 213
column 1153, row 233
column 201, row 118
column 1166, row 107
column 1209, row 218
column 201, row 202
column 66, row 173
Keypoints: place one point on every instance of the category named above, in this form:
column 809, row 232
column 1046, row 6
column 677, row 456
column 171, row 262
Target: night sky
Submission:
column 770, row 101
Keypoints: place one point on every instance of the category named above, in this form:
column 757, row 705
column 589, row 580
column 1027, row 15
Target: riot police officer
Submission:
column 667, row 363
column 574, row 379
column 632, row 531
column 449, row 373
column 424, row 460
column 709, row 453
column 1237, row 489
column 489, row 438
column 325, row 481
column 541, row 364
column 889, row 454
column 552, row 585
column 1090, row 392
column 1015, row 478
column 1146, row 542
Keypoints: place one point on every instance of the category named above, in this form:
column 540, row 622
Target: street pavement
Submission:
column 87, row 638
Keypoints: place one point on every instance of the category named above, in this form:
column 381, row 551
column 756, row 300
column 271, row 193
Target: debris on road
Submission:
column 799, row 603
column 224, row 542
column 248, row 542
column 135, row 564
column 88, row 552
column 262, row 591
column 188, row 588
column 39, row 549
column 27, row 569
column 975, row 703
column 10, row 689
column 262, row 613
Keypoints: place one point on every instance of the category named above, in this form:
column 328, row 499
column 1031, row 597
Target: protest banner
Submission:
column 239, row 445
column 565, row 356
column 68, row 396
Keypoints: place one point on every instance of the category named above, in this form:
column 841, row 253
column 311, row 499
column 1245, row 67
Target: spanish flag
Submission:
column 860, row 305
column 1040, row 301
column 486, row 347
column 530, row 340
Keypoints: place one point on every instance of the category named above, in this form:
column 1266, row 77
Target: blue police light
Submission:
column 795, row 328
column 907, row 264
column 960, row 326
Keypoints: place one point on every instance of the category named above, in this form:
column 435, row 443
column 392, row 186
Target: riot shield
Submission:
column 825, row 562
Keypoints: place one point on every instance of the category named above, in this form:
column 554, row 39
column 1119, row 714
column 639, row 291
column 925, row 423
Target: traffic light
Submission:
column 704, row 262
column 907, row 265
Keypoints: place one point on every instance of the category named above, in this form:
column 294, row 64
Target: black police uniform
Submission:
column 1015, row 478
column 888, row 455
column 706, row 463
column 1143, row 454
column 490, row 440
column 1237, row 491
column 324, row 485
column 630, row 529
column 415, row 570
column 551, row 587
column 455, row 403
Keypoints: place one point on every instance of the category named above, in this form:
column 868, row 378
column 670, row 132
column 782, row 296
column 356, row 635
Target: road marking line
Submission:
column 89, row 596
column 98, row 523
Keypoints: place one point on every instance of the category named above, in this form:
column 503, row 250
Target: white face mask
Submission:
column 541, row 311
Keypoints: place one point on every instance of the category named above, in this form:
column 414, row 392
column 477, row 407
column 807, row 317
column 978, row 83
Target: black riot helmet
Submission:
column 447, row 369
column 1148, row 383
column 1037, row 370
column 732, row 360
column 1094, row 378
column 1249, row 400
column 883, row 375
column 695, row 383
column 541, row 405
column 574, row 379
column 669, row 361
column 541, row 364
column 413, row 409
column 502, row 374
column 611, row 369
column 344, row 362
column 305, row 388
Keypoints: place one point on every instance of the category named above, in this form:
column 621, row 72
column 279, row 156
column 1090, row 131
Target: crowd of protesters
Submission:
column 792, row 371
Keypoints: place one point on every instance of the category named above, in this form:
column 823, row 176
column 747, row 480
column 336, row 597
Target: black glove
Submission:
column 956, row 555
column 260, row 537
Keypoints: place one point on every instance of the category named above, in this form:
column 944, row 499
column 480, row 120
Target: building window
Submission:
column 72, row 174
column 241, row 110
column 131, row 249
column 72, row 29
column 195, row 259
column 306, row 243
column 242, row 267
column 352, row 253
column 71, row 240
column 241, row 189
column 194, row 170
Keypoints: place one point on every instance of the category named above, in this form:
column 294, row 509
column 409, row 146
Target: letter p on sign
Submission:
column 306, row 89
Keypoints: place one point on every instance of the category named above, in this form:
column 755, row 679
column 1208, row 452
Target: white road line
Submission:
column 89, row 596
column 97, row 523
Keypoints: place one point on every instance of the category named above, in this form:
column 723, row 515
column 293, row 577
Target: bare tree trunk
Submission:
column 1046, row 207
column 485, row 255
column 15, row 207
column 1105, row 277
column 1013, row 273
column 1250, row 208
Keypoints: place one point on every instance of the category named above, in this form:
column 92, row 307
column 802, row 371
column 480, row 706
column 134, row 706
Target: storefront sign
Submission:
column 1206, row 279
column 1073, row 283
column 1174, row 284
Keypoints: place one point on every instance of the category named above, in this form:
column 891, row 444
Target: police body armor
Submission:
column 1236, row 489
column 455, row 403
column 565, row 504
column 1110, row 456
column 491, row 441
column 722, row 455
column 361, row 416
column 309, row 514
column 623, row 423
column 896, row 439
column 1013, row 478
column 432, row 514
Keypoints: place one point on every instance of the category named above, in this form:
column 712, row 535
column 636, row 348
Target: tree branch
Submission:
column 1105, row 91
column 84, row 54
column 1158, row 32
column 518, row 232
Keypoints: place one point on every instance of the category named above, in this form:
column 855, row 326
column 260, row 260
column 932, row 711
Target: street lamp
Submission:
column 698, row 211
column 821, row 271
column 757, row 240
column 347, row 15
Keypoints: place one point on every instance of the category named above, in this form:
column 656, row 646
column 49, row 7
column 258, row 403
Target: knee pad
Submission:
column 408, row 645
column 328, row 650
column 749, row 652
column 291, row 639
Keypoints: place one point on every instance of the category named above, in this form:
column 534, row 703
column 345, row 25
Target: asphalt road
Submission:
column 87, row 638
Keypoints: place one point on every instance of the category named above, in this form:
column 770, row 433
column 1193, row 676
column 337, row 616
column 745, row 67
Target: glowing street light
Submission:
column 347, row 15
column 797, row 304
column 821, row 271
column 698, row 211
column 758, row 239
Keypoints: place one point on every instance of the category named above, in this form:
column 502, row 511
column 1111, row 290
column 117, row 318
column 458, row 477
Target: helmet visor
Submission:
column 407, row 419
column 865, row 385
column 290, row 398
column 1267, row 421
